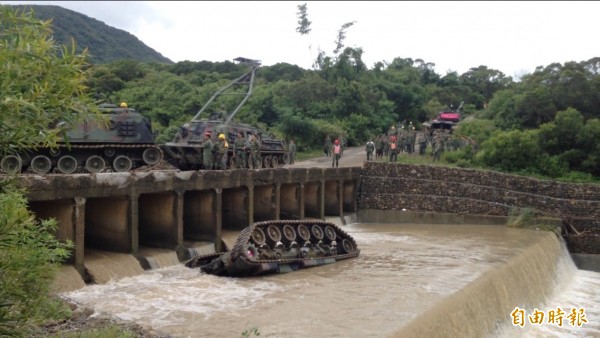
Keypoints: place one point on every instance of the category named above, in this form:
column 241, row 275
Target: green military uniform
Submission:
column 292, row 151
column 255, row 152
column 370, row 149
column 207, row 153
column 240, row 151
column 327, row 146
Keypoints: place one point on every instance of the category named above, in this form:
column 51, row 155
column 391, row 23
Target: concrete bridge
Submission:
column 120, row 212
column 174, row 210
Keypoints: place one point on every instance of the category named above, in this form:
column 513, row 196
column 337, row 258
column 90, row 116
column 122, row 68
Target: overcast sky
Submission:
column 514, row 37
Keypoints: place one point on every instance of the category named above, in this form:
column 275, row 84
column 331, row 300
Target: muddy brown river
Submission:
column 402, row 272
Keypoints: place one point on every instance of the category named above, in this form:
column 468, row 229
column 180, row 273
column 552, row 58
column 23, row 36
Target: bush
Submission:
column 29, row 257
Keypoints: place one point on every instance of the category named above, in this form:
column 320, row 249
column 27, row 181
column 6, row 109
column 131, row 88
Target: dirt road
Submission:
column 353, row 157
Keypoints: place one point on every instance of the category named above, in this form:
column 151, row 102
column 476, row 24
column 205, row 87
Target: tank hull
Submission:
column 123, row 141
column 186, row 151
column 279, row 247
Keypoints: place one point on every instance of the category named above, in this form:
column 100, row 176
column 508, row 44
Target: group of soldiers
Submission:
column 246, row 151
column 406, row 139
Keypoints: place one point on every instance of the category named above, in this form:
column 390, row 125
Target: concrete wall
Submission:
column 120, row 212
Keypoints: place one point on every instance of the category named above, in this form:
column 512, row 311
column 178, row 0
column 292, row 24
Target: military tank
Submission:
column 185, row 151
column 123, row 143
column 280, row 246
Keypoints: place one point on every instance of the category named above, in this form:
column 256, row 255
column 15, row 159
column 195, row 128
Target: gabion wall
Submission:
column 423, row 188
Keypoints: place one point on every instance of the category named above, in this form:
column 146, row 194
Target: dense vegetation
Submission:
column 546, row 124
column 40, row 83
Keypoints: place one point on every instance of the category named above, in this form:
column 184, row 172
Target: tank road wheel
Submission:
column 303, row 232
column 258, row 236
column 346, row 247
column 330, row 233
column 11, row 164
column 122, row 163
column 95, row 164
column 317, row 233
column 259, row 163
column 274, row 162
column 151, row 156
column 67, row 164
column 289, row 234
column 273, row 234
column 266, row 161
column 109, row 152
column 41, row 164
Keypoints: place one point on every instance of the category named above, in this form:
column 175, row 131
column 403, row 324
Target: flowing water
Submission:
column 409, row 281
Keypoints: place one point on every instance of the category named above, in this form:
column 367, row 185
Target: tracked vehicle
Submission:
column 446, row 120
column 278, row 247
column 186, row 150
column 122, row 143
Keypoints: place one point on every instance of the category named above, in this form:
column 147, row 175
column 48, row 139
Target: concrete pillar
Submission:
column 250, row 205
column 341, row 198
column 218, row 212
column 322, row 199
column 301, row 200
column 79, row 236
column 134, row 221
column 179, row 200
column 277, row 209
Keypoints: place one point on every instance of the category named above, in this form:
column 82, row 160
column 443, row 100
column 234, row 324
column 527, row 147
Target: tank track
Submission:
column 264, row 248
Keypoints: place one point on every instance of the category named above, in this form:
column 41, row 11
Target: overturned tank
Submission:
column 187, row 148
column 121, row 142
column 280, row 246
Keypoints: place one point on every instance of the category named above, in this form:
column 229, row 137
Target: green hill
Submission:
column 105, row 43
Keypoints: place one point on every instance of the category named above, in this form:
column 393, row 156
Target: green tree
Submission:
column 510, row 151
column 40, row 84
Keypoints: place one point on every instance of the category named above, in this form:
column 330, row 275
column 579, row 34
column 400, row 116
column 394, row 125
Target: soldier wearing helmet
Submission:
column 222, row 147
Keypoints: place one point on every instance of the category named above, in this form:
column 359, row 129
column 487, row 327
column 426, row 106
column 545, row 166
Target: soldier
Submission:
column 393, row 149
column 207, row 152
column 402, row 140
column 255, row 152
column 222, row 147
column 438, row 145
column 239, row 151
column 292, row 149
column 342, row 140
column 327, row 146
column 410, row 139
column 422, row 140
column 370, row 149
column 337, row 153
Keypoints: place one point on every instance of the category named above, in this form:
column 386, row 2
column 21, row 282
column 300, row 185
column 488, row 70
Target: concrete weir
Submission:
column 129, row 212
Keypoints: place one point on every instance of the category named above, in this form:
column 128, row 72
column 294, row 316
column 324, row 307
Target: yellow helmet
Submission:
column 123, row 105
column 221, row 136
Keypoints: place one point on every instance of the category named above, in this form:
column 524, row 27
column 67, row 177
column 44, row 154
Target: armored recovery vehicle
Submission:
column 121, row 143
column 445, row 120
column 187, row 147
column 280, row 246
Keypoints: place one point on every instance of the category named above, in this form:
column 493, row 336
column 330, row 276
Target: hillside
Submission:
column 105, row 43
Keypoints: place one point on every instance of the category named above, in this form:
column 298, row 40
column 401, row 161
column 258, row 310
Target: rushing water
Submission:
column 402, row 272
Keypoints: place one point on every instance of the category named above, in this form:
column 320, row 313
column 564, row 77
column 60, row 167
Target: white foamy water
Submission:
column 402, row 271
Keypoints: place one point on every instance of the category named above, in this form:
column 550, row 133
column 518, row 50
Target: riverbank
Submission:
column 85, row 322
